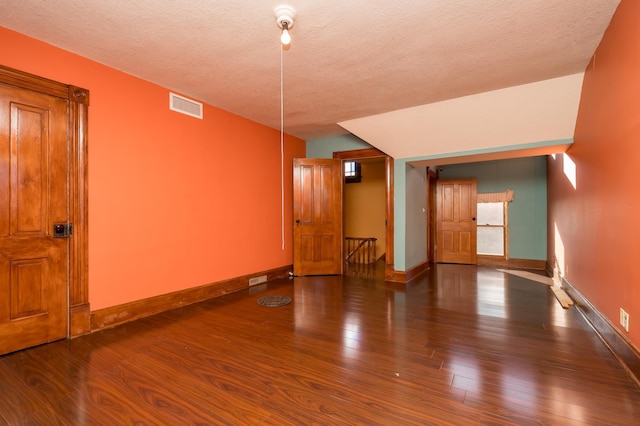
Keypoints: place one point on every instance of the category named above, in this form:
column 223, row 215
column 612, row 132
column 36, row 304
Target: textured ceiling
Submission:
column 348, row 59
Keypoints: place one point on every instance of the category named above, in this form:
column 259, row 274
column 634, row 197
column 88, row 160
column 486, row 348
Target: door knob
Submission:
column 298, row 221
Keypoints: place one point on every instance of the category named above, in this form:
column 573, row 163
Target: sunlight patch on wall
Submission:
column 569, row 168
column 558, row 250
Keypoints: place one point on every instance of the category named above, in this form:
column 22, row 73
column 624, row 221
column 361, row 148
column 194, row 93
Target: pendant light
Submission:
column 284, row 19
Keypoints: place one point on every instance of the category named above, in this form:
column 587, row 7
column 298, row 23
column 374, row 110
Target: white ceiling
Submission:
column 348, row 59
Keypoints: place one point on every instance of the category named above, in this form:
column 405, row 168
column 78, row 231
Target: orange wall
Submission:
column 174, row 202
column 598, row 231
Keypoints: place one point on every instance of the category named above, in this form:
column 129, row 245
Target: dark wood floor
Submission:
column 462, row 345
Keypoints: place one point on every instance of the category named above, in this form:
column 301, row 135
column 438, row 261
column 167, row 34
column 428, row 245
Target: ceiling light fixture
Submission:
column 285, row 16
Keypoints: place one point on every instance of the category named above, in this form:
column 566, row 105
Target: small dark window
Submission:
column 352, row 172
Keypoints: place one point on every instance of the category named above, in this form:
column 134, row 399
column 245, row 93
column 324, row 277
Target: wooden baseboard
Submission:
column 391, row 274
column 622, row 348
column 120, row 314
column 550, row 270
column 511, row 263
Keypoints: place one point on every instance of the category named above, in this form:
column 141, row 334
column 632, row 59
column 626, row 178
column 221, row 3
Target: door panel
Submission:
column 28, row 278
column 456, row 221
column 33, row 196
column 317, row 213
column 29, row 170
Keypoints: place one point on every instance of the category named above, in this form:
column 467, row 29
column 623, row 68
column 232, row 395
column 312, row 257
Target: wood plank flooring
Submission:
column 462, row 345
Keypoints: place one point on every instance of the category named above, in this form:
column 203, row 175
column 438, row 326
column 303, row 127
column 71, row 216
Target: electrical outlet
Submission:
column 624, row 319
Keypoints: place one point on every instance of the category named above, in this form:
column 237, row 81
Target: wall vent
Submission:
column 185, row 105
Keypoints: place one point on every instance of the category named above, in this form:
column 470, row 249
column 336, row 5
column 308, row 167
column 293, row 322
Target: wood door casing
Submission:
column 317, row 214
column 432, row 183
column 356, row 154
column 33, row 196
column 456, row 221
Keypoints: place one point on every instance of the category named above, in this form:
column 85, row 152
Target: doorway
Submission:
column 388, row 164
column 374, row 154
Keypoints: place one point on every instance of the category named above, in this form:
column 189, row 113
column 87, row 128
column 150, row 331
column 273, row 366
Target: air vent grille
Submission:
column 185, row 105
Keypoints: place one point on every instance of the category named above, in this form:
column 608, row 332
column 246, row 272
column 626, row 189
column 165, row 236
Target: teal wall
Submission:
column 528, row 211
column 415, row 217
column 324, row 148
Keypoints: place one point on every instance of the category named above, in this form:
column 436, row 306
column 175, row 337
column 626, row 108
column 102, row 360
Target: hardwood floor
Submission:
column 461, row 345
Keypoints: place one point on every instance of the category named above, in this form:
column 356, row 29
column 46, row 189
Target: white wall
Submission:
column 541, row 111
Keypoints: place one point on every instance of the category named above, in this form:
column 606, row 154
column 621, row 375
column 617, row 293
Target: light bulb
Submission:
column 285, row 38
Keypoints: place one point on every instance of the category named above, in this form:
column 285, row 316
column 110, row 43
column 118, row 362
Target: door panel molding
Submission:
column 32, row 272
column 25, row 218
column 78, row 103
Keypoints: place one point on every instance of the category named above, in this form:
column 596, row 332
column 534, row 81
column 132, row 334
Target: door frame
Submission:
column 77, row 115
column 389, row 271
column 432, row 181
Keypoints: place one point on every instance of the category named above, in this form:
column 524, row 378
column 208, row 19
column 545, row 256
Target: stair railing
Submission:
column 360, row 250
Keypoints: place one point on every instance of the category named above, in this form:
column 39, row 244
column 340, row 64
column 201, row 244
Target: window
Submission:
column 492, row 228
column 493, row 221
column 352, row 172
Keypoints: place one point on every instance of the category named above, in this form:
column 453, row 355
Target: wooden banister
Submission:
column 360, row 250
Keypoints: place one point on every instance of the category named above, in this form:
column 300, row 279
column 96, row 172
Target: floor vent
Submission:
column 185, row 105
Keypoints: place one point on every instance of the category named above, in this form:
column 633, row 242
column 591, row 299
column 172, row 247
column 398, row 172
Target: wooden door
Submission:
column 33, row 196
column 317, row 215
column 456, row 221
